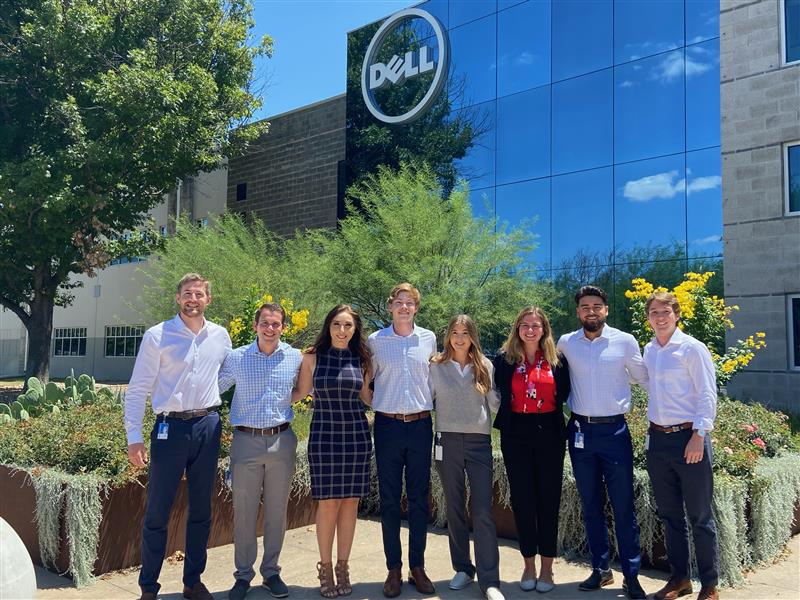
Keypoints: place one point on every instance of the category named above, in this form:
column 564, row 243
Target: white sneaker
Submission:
column 527, row 585
column 459, row 581
column 544, row 587
column 493, row 593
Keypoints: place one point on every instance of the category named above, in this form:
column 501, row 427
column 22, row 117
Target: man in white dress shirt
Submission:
column 403, row 434
column 177, row 365
column 682, row 407
column 602, row 360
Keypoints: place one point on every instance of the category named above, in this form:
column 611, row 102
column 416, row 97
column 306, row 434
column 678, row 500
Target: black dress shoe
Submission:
column 599, row 578
column 634, row 590
column 239, row 590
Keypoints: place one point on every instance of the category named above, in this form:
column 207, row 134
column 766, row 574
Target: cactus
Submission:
column 52, row 393
column 35, row 384
column 85, row 382
column 18, row 412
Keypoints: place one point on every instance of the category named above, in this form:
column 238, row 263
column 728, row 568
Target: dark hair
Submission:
column 357, row 344
column 271, row 307
column 591, row 290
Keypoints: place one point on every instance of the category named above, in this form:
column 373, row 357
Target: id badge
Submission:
column 437, row 447
column 579, row 440
column 163, row 430
column 647, row 441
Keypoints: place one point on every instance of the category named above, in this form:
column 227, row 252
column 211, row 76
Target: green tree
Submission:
column 103, row 105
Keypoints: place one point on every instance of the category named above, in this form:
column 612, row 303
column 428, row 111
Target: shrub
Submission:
column 240, row 326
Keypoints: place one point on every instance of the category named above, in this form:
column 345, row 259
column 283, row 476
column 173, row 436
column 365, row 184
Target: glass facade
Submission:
column 595, row 123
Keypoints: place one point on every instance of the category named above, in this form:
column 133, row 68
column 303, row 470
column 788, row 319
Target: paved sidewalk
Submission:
column 299, row 557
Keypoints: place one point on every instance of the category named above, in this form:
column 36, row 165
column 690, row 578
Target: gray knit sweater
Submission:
column 460, row 408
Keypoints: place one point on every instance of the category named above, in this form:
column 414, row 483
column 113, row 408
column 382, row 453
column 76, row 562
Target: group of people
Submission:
column 185, row 363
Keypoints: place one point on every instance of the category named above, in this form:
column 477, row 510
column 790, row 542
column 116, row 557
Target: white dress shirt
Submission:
column 601, row 371
column 683, row 382
column 177, row 368
column 401, row 370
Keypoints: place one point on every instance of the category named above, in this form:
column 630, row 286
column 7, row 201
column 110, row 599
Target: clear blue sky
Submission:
column 310, row 58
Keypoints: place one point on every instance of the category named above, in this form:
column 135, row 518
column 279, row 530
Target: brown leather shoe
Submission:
column 149, row 596
column 393, row 583
column 708, row 592
column 674, row 588
column 197, row 592
column 421, row 581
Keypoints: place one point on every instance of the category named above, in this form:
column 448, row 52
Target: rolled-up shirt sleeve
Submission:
column 704, row 378
column 637, row 371
column 227, row 373
column 142, row 383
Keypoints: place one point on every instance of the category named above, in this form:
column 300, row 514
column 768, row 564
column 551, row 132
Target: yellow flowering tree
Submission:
column 703, row 316
column 240, row 326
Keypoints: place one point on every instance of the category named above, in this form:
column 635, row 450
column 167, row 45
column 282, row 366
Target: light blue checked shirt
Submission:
column 263, row 396
column 402, row 375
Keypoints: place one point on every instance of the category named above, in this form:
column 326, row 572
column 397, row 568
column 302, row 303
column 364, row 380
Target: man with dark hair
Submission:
column 602, row 360
column 263, row 446
column 177, row 364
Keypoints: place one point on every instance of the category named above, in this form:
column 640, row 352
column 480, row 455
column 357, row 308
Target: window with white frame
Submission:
column 793, row 314
column 123, row 340
column 69, row 341
column 790, row 30
column 791, row 177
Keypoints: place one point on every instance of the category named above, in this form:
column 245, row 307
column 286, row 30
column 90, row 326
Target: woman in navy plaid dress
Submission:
column 337, row 367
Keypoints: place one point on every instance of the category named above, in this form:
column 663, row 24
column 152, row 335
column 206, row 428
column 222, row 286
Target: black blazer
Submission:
column 503, row 373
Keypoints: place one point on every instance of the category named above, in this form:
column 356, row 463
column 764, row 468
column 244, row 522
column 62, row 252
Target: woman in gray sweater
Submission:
column 463, row 396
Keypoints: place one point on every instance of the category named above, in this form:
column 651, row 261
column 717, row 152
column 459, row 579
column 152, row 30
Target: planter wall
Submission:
column 122, row 515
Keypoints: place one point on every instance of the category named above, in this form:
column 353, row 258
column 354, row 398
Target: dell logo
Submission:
column 400, row 69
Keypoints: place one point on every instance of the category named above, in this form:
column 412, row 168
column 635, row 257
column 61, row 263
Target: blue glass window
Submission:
column 438, row 8
column 702, row 95
column 793, row 177
column 702, row 20
column 529, row 203
column 523, row 52
column 650, row 205
column 478, row 165
column 649, row 116
column 483, row 203
column 704, row 202
column 582, row 37
column 504, row 4
column 582, row 122
column 473, row 66
column 582, row 216
column 464, row 12
column 791, row 22
column 523, row 136
column 646, row 28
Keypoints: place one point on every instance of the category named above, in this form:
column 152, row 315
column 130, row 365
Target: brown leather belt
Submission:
column 268, row 431
column 191, row 414
column 671, row 428
column 407, row 418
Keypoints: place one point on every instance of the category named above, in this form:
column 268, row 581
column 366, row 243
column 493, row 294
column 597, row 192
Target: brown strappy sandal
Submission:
column 343, row 578
column 327, row 587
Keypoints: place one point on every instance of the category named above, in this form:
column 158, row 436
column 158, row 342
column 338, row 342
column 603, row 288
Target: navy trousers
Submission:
column 403, row 447
column 676, row 484
column 192, row 446
column 607, row 458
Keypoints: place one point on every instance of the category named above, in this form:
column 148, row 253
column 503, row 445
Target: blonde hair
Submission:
column 192, row 278
column 404, row 287
column 663, row 298
column 483, row 381
column 514, row 348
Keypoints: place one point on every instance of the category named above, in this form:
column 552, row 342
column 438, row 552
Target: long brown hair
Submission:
column 514, row 348
column 483, row 381
column 357, row 344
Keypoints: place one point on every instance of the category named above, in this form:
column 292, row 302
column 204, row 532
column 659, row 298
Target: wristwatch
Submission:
column 701, row 432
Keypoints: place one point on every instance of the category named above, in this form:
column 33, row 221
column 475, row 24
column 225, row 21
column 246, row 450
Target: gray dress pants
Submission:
column 470, row 453
column 260, row 465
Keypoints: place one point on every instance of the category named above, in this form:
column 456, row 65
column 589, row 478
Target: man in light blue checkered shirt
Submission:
column 263, row 447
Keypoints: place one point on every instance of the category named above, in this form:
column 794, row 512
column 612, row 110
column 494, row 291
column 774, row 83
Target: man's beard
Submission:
column 192, row 312
column 593, row 326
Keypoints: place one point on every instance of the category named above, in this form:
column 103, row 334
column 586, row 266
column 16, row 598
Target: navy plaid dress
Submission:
column 339, row 444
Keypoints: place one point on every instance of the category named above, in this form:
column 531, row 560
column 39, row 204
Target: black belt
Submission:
column 268, row 431
column 610, row 419
column 191, row 414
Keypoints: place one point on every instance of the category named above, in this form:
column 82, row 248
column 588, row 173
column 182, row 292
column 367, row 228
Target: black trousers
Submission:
column 533, row 449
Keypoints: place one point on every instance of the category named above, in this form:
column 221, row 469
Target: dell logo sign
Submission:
column 377, row 75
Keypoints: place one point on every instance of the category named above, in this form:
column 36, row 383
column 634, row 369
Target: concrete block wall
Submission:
column 292, row 172
column 760, row 107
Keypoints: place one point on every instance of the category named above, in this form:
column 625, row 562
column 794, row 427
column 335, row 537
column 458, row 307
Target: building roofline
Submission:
column 302, row 108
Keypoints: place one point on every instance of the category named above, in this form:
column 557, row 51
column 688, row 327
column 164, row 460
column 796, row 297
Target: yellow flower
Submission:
column 760, row 334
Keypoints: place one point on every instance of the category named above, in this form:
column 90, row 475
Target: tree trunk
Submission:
column 40, row 333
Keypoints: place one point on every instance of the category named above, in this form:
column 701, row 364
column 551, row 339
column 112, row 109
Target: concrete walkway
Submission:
column 299, row 557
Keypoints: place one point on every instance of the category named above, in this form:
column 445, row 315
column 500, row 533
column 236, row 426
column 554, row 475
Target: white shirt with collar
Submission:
column 601, row 371
column 177, row 368
column 683, row 382
column 400, row 364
